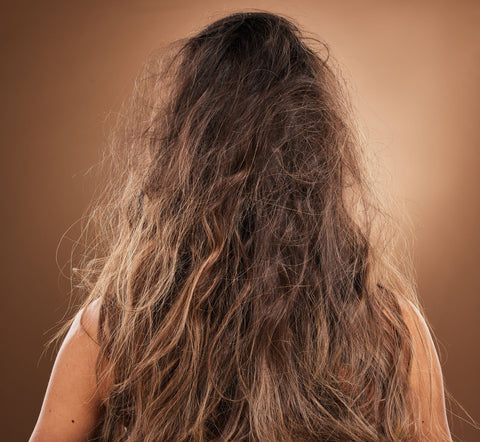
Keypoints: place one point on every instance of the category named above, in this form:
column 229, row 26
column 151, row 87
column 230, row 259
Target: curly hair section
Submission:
column 245, row 291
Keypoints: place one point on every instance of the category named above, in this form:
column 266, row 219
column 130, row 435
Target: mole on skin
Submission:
column 73, row 421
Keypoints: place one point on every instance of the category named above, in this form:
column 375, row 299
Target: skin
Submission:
column 430, row 392
column 72, row 406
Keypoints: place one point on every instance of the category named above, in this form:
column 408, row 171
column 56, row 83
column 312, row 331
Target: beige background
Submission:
column 414, row 69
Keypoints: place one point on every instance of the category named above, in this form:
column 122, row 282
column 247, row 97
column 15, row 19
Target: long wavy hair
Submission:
column 242, row 259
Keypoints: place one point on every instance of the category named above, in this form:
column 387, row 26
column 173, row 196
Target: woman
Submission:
column 245, row 288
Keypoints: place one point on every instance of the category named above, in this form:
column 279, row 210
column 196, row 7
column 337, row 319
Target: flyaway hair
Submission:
column 243, row 266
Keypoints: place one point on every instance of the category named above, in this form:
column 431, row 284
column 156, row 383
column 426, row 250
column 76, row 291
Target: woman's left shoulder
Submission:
column 88, row 318
column 72, row 405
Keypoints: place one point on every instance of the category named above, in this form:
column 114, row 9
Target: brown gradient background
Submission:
column 414, row 72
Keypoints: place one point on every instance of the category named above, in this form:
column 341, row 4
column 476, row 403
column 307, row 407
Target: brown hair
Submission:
column 247, row 285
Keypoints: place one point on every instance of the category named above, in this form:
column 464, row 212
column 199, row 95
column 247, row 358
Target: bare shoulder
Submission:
column 88, row 318
column 72, row 406
column 424, row 351
column 417, row 326
column 426, row 378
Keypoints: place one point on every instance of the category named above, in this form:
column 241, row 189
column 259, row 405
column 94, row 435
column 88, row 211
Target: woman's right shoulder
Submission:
column 425, row 376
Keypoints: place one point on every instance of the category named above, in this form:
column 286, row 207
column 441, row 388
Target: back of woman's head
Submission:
column 244, row 296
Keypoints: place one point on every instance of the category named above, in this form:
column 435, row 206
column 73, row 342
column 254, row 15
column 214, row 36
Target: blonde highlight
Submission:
column 247, row 286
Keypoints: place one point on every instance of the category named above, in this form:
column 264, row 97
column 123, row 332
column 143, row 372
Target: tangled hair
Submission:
column 242, row 263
